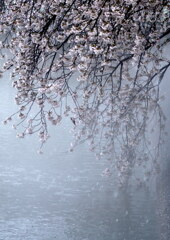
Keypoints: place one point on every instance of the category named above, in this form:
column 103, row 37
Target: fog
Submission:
column 62, row 195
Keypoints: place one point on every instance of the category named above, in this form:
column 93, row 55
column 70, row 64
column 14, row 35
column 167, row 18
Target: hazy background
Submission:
column 62, row 195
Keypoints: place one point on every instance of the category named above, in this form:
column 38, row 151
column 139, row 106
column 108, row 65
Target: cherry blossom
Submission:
column 98, row 62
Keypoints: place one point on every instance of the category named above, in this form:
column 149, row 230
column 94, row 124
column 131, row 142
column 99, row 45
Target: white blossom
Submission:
column 104, row 57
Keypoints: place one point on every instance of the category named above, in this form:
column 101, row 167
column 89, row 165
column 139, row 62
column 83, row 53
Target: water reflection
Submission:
column 63, row 196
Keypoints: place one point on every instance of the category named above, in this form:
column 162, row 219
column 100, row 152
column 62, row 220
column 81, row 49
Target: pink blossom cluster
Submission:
column 98, row 61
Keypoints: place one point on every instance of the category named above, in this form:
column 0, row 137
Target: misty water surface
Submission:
column 63, row 195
